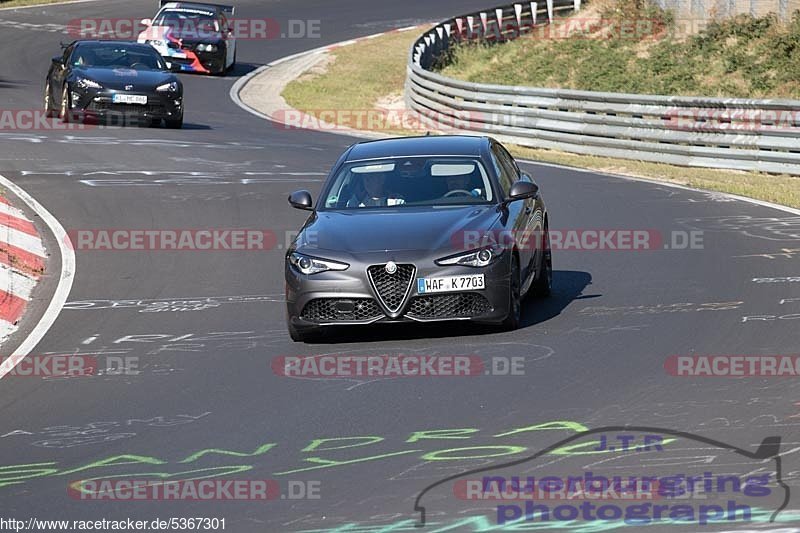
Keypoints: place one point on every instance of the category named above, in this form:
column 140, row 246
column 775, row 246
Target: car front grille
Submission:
column 458, row 305
column 133, row 109
column 392, row 289
column 341, row 310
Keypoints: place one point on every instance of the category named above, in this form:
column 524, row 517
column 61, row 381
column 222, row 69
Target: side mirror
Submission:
column 146, row 22
column 301, row 200
column 522, row 190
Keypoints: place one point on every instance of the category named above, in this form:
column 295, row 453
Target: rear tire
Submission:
column 513, row 319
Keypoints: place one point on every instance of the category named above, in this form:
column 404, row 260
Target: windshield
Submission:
column 188, row 23
column 411, row 181
column 117, row 56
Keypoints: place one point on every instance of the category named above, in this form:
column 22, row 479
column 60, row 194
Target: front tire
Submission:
column 64, row 113
column 513, row 319
column 49, row 112
column 543, row 285
column 302, row 334
column 233, row 64
column 174, row 124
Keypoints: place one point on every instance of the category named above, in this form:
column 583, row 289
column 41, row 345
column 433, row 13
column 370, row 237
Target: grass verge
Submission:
column 366, row 75
column 745, row 56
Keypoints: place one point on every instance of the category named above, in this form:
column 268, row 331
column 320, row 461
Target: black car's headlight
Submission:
column 306, row 264
column 475, row 258
column 206, row 47
column 168, row 87
column 85, row 83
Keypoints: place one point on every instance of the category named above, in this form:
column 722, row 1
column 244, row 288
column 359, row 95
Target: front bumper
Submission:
column 348, row 298
column 100, row 104
column 192, row 60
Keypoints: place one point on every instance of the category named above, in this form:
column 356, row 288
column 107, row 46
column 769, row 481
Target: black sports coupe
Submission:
column 418, row 229
column 118, row 80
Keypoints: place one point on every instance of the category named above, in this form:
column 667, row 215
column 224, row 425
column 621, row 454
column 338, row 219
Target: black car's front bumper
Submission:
column 348, row 297
column 99, row 104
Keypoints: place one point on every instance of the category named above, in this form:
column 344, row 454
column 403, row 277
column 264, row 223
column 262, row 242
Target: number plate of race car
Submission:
column 450, row 284
column 129, row 99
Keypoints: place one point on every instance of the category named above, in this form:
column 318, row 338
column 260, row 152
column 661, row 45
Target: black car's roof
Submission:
column 112, row 42
column 458, row 145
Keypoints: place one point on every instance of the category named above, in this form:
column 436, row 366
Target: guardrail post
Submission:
column 518, row 14
column 534, row 11
column 550, row 11
column 577, row 5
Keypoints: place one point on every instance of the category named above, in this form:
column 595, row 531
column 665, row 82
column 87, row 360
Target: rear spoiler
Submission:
column 228, row 10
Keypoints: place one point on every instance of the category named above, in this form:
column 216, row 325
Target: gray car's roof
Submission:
column 459, row 145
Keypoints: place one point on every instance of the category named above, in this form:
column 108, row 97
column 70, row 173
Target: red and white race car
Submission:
column 196, row 37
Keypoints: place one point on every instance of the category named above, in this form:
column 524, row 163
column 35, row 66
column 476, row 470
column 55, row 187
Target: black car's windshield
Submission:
column 188, row 22
column 137, row 57
column 411, row 181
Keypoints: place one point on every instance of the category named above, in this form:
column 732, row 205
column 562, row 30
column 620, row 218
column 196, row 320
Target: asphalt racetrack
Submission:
column 206, row 401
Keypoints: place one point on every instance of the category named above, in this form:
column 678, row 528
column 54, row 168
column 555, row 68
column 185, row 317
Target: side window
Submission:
column 505, row 176
column 508, row 163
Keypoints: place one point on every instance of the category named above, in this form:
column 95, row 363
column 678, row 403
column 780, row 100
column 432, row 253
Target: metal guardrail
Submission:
column 732, row 133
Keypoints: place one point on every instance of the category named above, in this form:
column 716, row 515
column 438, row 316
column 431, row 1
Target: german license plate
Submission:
column 450, row 284
column 129, row 99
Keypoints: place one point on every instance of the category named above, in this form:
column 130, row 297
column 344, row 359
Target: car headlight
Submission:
column 156, row 43
column 475, row 258
column 85, row 83
column 206, row 47
column 168, row 87
column 313, row 265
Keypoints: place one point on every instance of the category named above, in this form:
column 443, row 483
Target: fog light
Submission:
column 484, row 256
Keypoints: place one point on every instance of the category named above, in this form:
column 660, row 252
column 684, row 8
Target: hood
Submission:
column 118, row 78
column 404, row 228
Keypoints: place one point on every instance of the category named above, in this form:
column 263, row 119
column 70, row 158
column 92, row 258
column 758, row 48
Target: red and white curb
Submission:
column 21, row 266
column 22, row 257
